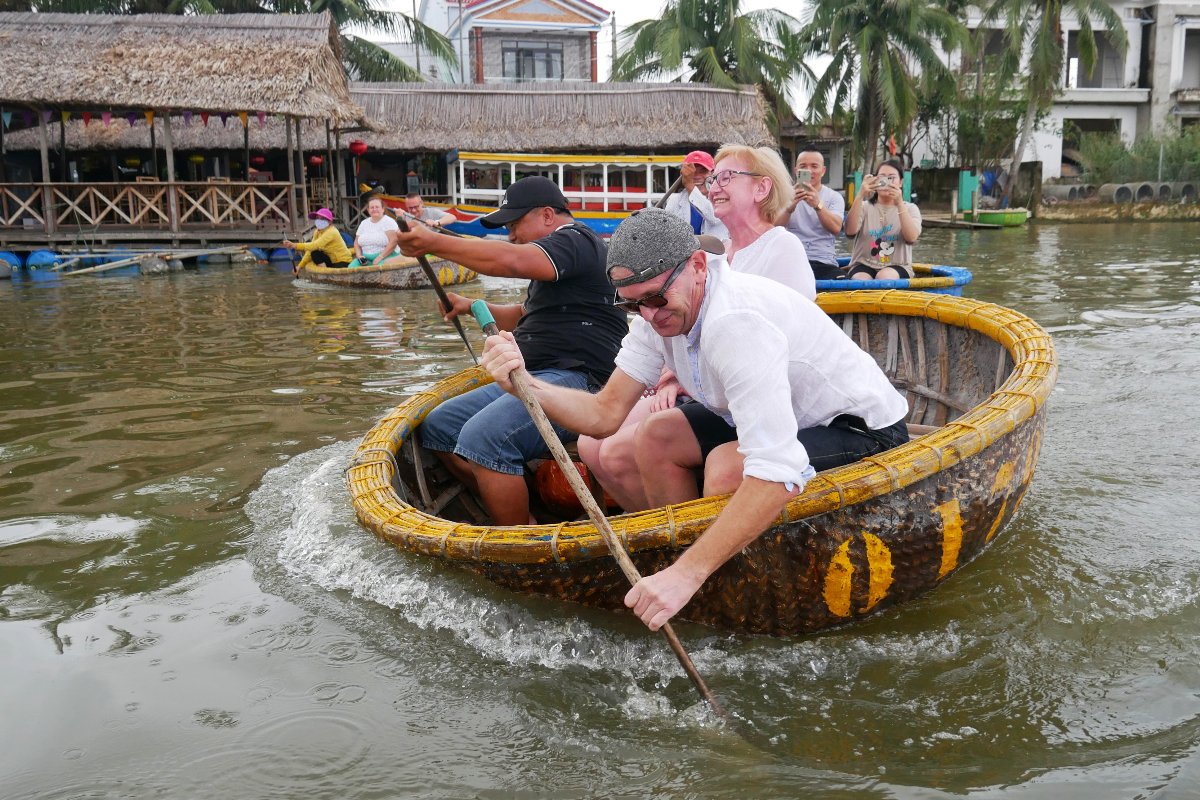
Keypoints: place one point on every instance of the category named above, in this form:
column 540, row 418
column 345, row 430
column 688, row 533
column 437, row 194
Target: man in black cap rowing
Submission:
column 780, row 392
column 567, row 327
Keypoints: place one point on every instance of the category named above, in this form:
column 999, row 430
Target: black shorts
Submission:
column 843, row 441
column 826, row 272
column 905, row 270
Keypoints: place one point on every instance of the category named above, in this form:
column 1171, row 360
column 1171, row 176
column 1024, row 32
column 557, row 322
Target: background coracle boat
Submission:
column 934, row 278
column 401, row 274
column 1004, row 217
column 858, row 539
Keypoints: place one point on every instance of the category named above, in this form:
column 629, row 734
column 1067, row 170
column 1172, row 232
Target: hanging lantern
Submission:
column 196, row 158
column 316, row 161
column 358, row 148
column 257, row 160
column 133, row 161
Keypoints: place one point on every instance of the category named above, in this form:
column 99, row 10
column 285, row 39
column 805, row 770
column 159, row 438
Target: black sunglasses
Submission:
column 654, row 299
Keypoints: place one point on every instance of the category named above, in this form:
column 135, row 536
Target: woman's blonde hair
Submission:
column 766, row 162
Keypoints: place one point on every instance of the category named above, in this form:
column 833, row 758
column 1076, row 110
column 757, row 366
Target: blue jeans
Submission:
column 491, row 428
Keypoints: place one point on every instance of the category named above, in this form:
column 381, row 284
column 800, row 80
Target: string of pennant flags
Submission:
column 106, row 117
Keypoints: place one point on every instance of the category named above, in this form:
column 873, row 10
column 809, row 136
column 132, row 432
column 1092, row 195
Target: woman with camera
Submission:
column 883, row 226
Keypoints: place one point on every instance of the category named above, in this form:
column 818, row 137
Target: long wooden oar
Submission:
column 520, row 380
column 441, row 293
column 662, row 201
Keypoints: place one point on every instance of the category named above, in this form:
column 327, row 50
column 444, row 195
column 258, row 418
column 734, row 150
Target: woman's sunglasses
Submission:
column 654, row 299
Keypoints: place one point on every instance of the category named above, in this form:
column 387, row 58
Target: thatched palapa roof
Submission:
column 559, row 118
column 282, row 64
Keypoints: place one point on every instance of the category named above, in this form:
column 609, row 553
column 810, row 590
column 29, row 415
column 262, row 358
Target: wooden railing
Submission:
column 153, row 205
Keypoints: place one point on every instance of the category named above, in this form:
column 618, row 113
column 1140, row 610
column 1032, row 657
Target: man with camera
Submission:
column 815, row 215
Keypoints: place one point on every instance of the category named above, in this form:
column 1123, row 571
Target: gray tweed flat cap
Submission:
column 653, row 241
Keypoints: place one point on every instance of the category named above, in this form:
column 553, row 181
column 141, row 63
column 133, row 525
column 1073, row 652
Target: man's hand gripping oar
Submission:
column 441, row 293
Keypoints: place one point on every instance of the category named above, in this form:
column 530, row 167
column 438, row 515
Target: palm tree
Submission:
column 714, row 41
column 877, row 48
column 1034, row 27
column 364, row 59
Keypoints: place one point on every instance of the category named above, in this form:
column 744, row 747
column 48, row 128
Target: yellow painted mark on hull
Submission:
column 1004, row 477
column 837, row 581
column 951, row 516
column 879, row 564
column 999, row 518
column 839, row 577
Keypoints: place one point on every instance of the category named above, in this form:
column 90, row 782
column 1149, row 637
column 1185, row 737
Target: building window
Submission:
column 532, row 60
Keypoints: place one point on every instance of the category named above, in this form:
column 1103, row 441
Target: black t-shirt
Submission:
column 571, row 323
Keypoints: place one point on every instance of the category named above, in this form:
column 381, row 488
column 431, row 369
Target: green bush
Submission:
column 1106, row 159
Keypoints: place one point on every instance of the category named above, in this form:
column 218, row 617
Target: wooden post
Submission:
column 338, row 172
column 169, row 146
column 334, row 201
column 303, row 173
column 246, row 149
column 292, row 205
column 154, row 150
column 63, row 175
column 3, row 174
column 47, row 192
column 953, row 205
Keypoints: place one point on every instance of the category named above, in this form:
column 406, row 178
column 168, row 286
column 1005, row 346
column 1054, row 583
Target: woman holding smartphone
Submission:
column 883, row 226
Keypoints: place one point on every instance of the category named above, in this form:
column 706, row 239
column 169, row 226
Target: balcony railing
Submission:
column 152, row 205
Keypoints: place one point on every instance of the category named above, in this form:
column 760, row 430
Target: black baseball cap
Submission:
column 524, row 196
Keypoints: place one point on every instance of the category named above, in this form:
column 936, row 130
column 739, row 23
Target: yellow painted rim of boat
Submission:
column 1019, row 398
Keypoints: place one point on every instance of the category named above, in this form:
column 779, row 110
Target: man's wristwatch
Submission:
column 820, row 206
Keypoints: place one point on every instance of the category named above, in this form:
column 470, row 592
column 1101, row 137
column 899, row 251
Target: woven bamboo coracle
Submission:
column 404, row 273
column 858, row 539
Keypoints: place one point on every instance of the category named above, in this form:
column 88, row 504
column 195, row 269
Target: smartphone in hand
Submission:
column 804, row 176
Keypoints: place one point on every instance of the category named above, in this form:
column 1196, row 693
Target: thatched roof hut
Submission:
column 428, row 117
column 274, row 63
column 561, row 117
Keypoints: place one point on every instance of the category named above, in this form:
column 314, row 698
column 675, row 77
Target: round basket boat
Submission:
column 934, row 278
column 405, row 273
column 858, row 539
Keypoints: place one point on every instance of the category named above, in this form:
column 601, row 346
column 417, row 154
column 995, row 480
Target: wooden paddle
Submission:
column 441, row 293
column 662, row 201
column 520, row 380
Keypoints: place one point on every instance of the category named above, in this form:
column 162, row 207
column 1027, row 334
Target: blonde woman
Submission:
column 749, row 187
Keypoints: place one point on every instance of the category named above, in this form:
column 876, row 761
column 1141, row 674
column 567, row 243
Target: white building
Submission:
column 1154, row 87
column 511, row 41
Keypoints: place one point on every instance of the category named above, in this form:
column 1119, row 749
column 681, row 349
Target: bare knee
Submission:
column 723, row 470
column 589, row 450
column 658, row 437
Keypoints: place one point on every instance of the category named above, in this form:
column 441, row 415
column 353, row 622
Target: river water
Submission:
column 188, row 607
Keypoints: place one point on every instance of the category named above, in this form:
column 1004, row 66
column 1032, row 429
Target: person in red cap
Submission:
column 691, row 204
column 568, row 327
column 327, row 248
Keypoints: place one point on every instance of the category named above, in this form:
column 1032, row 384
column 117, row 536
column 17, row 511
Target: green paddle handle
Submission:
column 487, row 323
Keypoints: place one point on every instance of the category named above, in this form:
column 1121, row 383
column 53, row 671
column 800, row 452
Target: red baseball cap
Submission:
column 702, row 158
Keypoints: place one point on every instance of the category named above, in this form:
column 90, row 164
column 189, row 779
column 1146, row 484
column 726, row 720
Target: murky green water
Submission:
column 189, row 609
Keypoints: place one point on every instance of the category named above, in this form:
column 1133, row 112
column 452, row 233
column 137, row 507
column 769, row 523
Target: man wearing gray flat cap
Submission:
column 780, row 392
